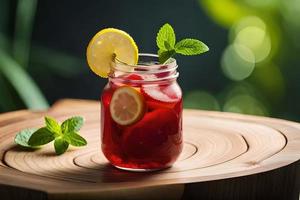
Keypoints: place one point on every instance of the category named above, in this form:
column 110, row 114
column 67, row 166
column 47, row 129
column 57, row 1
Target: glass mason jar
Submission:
column 154, row 141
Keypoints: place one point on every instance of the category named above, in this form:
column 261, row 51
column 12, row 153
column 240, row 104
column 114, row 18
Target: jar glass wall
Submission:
column 153, row 140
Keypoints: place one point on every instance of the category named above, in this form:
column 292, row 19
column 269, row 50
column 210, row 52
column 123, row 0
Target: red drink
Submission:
column 154, row 140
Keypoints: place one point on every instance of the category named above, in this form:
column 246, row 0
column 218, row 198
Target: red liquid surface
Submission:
column 153, row 142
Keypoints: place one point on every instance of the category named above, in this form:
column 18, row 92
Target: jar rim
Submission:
column 145, row 67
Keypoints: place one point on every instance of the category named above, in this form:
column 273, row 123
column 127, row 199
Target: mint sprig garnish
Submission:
column 166, row 39
column 166, row 42
column 63, row 135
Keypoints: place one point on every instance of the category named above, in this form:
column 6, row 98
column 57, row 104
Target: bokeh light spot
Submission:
column 245, row 22
column 256, row 39
column 237, row 62
column 252, row 32
column 251, row 36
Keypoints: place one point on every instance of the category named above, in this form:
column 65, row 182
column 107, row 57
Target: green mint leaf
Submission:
column 60, row 146
column 72, row 124
column 166, row 38
column 190, row 47
column 163, row 56
column 52, row 125
column 32, row 138
column 75, row 139
column 23, row 136
column 40, row 137
column 168, row 46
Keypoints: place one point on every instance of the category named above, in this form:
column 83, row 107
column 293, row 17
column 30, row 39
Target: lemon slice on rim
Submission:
column 108, row 44
column 127, row 106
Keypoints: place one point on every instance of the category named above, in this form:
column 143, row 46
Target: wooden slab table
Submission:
column 225, row 156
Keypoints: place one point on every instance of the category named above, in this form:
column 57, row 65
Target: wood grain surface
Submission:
column 219, row 149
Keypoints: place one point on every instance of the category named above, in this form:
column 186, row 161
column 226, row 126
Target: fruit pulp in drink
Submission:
column 155, row 140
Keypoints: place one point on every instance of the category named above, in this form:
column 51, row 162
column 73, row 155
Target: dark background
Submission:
column 60, row 31
column 70, row 27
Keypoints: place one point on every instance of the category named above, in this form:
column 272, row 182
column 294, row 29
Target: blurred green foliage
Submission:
column 261, row 54
column 18, row 55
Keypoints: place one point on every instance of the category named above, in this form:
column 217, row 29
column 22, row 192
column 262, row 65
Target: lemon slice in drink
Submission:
column 108, row 44
column 127, row 106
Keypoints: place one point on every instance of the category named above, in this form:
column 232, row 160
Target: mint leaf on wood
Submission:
column 75, row 139
column 60, row 146
column 40, row 137
column 63, row 135
column 52, row 125
column 190, row 47
column 72, row 124
column 23, row 136
column 166, row 38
